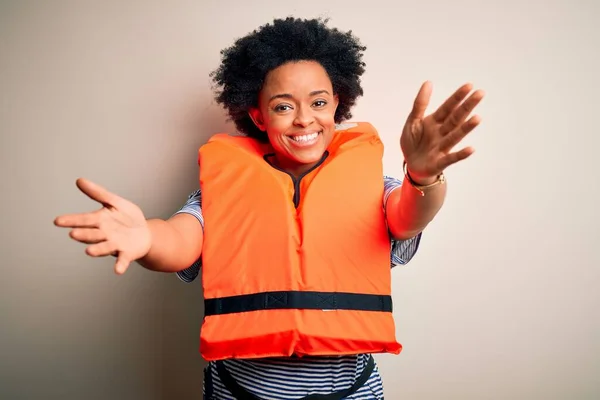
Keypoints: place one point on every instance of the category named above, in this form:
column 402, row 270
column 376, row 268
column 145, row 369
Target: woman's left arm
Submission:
column 427, row 144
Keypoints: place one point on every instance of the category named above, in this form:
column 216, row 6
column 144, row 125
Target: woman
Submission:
column 293, row 222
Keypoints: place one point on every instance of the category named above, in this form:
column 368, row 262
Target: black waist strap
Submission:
column 242, row 394
column 297, row 300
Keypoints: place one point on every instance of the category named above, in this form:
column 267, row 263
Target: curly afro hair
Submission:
column 245, row 65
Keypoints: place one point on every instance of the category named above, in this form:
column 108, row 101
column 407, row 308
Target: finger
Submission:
column 455, row 157
column 454, row 137
column 461, row 113
column 81, row 220
column 122, row 264
column 451, row 103
column 97, row 192
column 101, row 249
column 421, row 102
column 88, row 236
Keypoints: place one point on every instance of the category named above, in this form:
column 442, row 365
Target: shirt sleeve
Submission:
column 402, row 250
column 192, row 206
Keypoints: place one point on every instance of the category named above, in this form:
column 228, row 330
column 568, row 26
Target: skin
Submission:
column 427, row 143
column 296, row 99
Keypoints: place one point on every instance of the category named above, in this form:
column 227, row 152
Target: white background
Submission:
column 501, row 302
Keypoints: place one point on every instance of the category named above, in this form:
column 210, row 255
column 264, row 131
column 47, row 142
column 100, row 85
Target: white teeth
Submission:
column 305, row 138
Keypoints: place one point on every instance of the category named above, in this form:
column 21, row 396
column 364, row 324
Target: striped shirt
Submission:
column 292, row 378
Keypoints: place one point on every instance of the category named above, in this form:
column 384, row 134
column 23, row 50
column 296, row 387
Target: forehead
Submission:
column 297, row 77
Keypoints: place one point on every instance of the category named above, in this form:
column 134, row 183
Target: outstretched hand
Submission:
column 119, row 228
column 427, row 142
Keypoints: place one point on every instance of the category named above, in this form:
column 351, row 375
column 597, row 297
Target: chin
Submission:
column 308, row 156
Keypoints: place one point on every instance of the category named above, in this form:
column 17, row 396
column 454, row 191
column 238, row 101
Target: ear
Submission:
column 257, row 118
column 336, row 102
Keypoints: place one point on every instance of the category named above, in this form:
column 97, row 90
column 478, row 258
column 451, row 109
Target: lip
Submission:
column 308, row 143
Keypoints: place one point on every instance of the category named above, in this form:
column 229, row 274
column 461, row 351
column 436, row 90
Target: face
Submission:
column 296, row 108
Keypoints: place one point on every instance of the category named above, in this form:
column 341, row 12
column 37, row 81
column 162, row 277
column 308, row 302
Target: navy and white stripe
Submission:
column 292, row 378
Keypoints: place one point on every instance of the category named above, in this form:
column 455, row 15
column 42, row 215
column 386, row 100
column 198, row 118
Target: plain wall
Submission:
column 500, row 302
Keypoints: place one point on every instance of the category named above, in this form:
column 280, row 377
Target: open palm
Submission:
column 427, row 142
column 119, row 228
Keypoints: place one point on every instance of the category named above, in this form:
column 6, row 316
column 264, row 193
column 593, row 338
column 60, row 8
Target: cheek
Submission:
column 328, row 122
column 327, row 117
column 277, row 125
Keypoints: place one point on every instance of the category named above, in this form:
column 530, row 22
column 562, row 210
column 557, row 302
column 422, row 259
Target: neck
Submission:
column 292, row 168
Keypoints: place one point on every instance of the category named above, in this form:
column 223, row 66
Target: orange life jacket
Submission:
column 295, row 266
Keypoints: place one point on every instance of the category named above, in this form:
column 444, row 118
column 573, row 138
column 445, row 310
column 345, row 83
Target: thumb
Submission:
column 122, row 263
column 421, row 102
column 97, row 192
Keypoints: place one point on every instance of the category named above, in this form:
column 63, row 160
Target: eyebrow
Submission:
column 289, row 96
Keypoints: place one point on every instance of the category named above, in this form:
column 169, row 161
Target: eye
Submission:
column 320, row 103
column 282, row 108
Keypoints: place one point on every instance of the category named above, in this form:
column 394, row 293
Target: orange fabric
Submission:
column 256, row 240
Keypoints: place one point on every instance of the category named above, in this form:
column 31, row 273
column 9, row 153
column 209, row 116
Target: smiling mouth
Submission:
column 305, row 139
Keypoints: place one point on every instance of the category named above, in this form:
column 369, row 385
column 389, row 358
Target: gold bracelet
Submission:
column 441, row 179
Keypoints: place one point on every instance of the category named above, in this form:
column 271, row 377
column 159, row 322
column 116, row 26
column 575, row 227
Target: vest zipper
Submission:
column 296, row 181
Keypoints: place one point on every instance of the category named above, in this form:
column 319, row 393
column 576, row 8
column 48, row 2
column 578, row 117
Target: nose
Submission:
column 304, row 117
